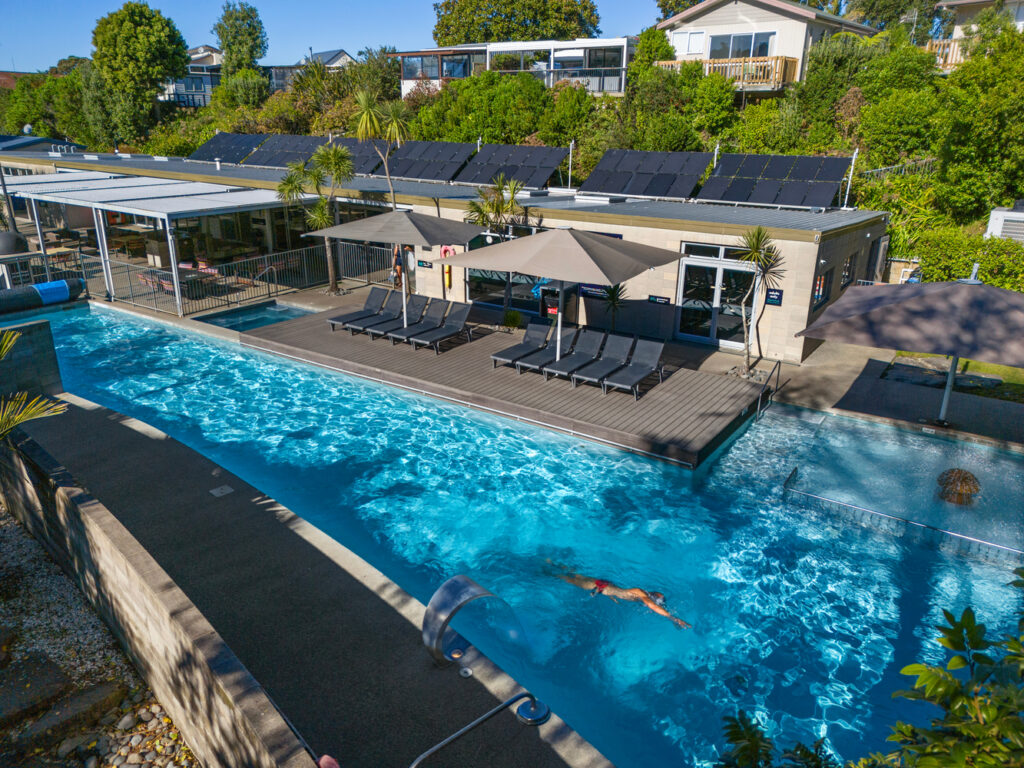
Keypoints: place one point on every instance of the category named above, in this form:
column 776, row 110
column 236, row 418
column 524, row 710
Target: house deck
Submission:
column 682, row 419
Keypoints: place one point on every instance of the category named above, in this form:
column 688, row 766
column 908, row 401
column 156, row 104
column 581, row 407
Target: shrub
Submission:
column 949, row 253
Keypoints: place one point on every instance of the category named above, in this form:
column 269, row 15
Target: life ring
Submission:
column 446, row 251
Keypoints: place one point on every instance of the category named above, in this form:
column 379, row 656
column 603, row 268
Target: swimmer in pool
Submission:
column 655, row 601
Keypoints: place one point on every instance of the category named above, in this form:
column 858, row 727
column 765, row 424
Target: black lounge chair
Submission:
column 646, row 360
column 414, row 307
column 454, row 324
column 615, row 354
column 585, row 351
column 535, row 338
column 374, row 301
column 392, row 309
column 537, row 360
column 432, row 318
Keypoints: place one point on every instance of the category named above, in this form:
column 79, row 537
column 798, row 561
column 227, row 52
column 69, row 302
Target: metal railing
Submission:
column 765, row 396
column 369, row 263
column 948, row 53
column 594, row 79
column 925, row 165
column 34, row 268
column 767, row 72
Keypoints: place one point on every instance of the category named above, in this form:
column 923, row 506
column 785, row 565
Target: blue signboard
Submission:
column 773, row 297
column 593, row 291
column 425, row 264
column 658, row 299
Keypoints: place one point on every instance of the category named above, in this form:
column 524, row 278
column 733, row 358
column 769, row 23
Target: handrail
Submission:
column 539, row 714
column 776, row 371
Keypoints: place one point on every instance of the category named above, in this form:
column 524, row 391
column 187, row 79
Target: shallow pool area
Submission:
column 801, row 616
column 256, row 316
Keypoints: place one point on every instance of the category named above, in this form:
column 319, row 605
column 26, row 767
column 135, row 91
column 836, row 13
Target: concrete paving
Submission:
column 334, row 643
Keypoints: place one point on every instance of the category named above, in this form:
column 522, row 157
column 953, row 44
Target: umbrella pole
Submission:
column 949, row 387
column 558, row 324
column 405, row 281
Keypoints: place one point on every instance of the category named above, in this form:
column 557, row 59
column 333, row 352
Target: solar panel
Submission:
column 531, row 166
column 805, row 168
column 833, row 169
column 792, row 193
column 714, row 188
column 728, row 165
column 647, row 174
column 778, row 167
column 660, row 185
column 820, row 194
column 752, row 166
column 683, row 186
column 638, row 182
column 280, row 149
column 739, row 190
column 765, row 191
column 428, row 160
column 229, row 147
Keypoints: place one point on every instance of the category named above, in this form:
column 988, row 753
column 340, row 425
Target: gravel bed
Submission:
column 50, row 615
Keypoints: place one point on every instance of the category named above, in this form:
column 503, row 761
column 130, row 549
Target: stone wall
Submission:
column 31, row 365
column 225, row 715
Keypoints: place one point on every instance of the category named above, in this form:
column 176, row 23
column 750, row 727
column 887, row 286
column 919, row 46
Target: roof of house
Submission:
column 784, row 6
column 375, row 189
column 327, row 57
column 957, row 3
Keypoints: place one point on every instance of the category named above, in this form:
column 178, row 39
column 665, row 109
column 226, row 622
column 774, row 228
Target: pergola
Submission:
column 164, row 200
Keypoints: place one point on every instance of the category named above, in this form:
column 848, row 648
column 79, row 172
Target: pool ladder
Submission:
column 764, row 397
column 446, row 646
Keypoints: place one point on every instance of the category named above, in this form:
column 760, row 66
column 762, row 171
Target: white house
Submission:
column 761, row 44
column 950, row 52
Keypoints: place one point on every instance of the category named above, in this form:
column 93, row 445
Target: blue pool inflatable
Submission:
column 43, row 294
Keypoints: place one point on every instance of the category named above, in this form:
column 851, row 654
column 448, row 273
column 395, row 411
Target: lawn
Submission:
column 1011, row 389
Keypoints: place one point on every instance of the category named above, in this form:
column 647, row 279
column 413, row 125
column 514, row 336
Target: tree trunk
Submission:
column 332, row 275
column 746, row 327
column 387, row 173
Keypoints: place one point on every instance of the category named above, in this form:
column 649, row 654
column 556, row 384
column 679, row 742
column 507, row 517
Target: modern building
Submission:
column 700, row 297
column 761, row 44
column 599, row 64
column 37, row 144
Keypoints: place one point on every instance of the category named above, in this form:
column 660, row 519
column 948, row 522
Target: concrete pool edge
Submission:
column 224, row 713
column 570, row 748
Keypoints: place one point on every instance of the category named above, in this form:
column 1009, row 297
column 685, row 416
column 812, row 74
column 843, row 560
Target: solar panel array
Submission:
column 229, row 147
column 792, row 180
column 428, row 160
column 647, row 174
column 531, row 166
column 280, row 149
column 364, row 154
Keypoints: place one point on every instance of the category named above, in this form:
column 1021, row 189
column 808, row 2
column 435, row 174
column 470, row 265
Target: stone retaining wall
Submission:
column 223, row 712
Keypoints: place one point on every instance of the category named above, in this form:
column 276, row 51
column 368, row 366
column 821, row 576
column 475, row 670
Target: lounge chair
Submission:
column 535, row 338
column 454, row 324
column 433, row 318
column 374, row 301
column 537, row 360
column 585, row 351
column 615, row 354
column 646, row 360
column 414, row 307
column 391, row 310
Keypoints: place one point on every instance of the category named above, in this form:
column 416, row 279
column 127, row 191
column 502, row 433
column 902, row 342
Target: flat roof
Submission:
column 374, row 190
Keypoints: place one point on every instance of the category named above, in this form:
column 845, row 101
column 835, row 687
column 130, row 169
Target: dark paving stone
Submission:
column 80, row 708
column 28, row 686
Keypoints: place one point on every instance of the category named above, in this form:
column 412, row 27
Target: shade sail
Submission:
column 405, row 227
column 569, row 255
column 979, row 322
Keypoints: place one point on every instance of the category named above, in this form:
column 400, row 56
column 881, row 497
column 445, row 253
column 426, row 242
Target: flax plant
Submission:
column 18, row 409
column 330, row 166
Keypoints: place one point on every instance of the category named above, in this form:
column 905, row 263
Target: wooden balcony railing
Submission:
column 759, row 72
column 948, row 53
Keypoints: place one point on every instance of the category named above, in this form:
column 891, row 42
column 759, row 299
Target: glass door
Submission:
column 711, row 298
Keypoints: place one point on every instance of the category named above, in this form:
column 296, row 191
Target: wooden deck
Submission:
column 682, row 419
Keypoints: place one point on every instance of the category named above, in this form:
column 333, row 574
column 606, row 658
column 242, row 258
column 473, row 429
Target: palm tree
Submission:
column 330, row 166
column 18, row 409
column 497, row 208
column 614, row 300
column 386, row 125
column 757, row 248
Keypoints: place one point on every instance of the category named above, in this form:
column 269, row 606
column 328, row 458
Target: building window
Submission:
column 455, row 66
column 419, row 68
column 688, row 43
column 849, row 269
column 605, row 58
column 823, row 288
column 741, row 46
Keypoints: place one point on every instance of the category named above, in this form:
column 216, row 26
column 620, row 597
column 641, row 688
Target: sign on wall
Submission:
column 658, row 299
column 425, row 264
column 773, row 297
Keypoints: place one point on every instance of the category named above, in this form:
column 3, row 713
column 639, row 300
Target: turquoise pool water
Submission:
column 247, row 318
column 799, row 616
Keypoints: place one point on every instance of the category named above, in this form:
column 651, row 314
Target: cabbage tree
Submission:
column 386, row 125
column 758, row 248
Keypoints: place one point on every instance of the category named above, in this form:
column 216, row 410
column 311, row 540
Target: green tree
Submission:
column 670, row 8
column 651, row 46
column 487, row 21
column 17, row 409
column 386, row 126
column 374, row 70
column 241, row 37
column 497, row 208
column 832, row 66
column 329, row 167
column 67, row 65
column 758, row 248
column 669, row 131
column 897, row 65
column 97, row 108
column 569, row 116
column 244, row 88
column 912, row 206
column 918, row 17
column 138, row 49
column 771, row 126
column 26, row 106
column 714, row 105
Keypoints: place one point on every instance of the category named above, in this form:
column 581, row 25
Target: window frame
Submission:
column 849, row 269
column 822, row 290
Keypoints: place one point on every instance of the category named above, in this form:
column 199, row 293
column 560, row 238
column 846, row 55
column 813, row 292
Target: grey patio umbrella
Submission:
column 403, row 228
column 961, row 319
column 568, row 255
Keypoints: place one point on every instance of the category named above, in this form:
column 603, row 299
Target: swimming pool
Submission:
column 258, row 316
column 799, row 616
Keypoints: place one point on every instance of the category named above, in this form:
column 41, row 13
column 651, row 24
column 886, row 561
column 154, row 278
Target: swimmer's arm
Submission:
column 653, row 606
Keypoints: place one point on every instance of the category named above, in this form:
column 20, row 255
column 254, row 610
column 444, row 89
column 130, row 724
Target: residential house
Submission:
column 950, row 51
column 599, row 64
column 196, row 88
column 280, row 77
column 761, row 44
